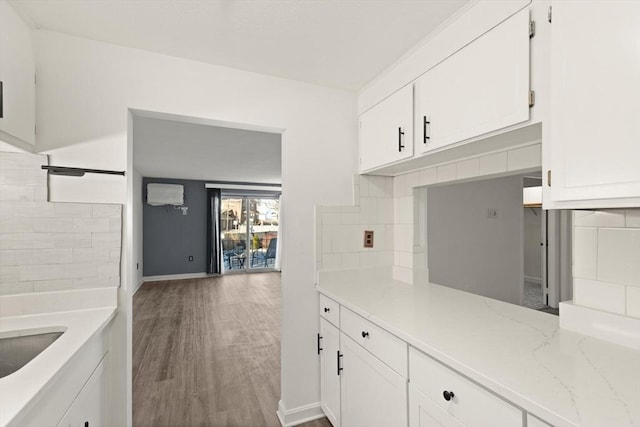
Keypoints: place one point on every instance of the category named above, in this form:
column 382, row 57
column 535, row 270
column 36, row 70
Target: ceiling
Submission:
column 186, row 150
column 336, row 43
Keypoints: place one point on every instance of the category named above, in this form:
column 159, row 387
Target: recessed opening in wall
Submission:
column 489, row 237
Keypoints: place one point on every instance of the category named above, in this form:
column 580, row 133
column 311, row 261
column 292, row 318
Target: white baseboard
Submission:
column 615, row 328
column 138, row 285
column 533, row 279
column 174, row 277
column 297, row 416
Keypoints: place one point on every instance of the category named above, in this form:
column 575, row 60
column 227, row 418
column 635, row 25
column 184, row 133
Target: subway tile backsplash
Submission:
column 52, row 246
column 606, row 260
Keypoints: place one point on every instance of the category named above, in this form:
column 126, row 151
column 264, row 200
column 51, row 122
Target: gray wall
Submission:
column 170, row 237
column 532, row 240
column 469, row 251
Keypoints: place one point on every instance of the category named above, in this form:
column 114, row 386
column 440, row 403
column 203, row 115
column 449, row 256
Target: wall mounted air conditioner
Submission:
column 165, row 194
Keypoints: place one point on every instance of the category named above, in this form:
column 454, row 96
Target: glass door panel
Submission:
column 249, row 232
column 264, row 217
column 233, row 232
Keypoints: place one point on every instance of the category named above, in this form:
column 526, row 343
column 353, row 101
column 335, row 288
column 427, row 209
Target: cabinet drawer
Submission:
column 386, row 347
column 330, row 310
column 471, row 404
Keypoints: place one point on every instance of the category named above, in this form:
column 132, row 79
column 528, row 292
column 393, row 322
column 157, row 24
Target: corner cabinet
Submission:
column 386, row 131
column 594, row 135
column 481, row 88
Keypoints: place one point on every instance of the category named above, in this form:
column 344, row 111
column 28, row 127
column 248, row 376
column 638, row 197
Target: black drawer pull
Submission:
column 400, row 144
column 339, row 367
column 327, row 309
column 365, row 334
column 448, row 395
column 319, row 348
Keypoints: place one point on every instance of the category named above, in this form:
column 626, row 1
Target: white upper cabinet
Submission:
column 17, row 71
column 594, row 135
column 386, row 130
column 482, row 88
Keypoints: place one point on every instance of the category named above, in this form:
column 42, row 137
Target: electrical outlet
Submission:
column 492, row 213
column 190, row 258
column 368, row 238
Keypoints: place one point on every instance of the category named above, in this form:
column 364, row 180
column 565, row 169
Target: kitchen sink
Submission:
column 17, row 351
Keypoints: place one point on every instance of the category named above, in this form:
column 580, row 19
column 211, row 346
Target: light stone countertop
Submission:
column 565, row 378
column 29, row 316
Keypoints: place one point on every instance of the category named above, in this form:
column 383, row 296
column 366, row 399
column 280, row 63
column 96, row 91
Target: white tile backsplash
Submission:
column 468, row 168
column 614, row 270
column 619, row 255
column 633, row 301
column 524, row 158
column 610, row 218
column 585, row 253
column 52, row 246
column 633, row 218
column 493, row 164
column 600, row 295
column 446, row 172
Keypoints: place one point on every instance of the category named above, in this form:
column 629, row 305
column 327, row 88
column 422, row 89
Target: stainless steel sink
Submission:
column 17, row 351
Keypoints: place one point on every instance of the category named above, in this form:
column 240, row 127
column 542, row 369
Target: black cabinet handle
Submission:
column 319, row 348
column 339, row 367
column 425, row 122
column 1, row 102
column 365, row 334
column 327, row 309
column 400, row 135
column 448, row 395
column 86, row 424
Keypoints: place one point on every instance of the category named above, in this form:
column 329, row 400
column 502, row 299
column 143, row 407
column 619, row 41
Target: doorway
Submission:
column 249, row 228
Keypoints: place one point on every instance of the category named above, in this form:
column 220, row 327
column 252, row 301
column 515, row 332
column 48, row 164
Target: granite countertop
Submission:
column 562, row 377
column 24, row 315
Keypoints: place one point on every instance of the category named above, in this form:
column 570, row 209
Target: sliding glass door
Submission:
column 249, row 232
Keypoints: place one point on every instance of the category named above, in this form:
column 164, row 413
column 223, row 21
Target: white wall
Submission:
column 84, row 91
column 469, row 251
column 532, row 240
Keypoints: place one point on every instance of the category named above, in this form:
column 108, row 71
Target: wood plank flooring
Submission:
column 206, row 352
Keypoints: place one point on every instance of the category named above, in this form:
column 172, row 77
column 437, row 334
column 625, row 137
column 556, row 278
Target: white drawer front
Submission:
column 385, row 346
column 470, row 404
column 330, row 310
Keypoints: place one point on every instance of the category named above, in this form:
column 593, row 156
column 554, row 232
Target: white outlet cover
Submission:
column 492, row 213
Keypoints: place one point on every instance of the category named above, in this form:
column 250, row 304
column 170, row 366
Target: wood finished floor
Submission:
column 206, row 352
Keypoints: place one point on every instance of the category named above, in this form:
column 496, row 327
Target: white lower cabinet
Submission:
column 329, row 348
column 442, row 396
column 424, row 412
column 372, row 393
column 371, row 378
column 89, row 409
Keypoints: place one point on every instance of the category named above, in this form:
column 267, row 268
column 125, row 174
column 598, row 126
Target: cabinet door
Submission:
column 595, row 101
column 372, row 393
column 423, row 412
column 386, row 130
column 329, row 378
column 481, row 88
column 90, row 407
